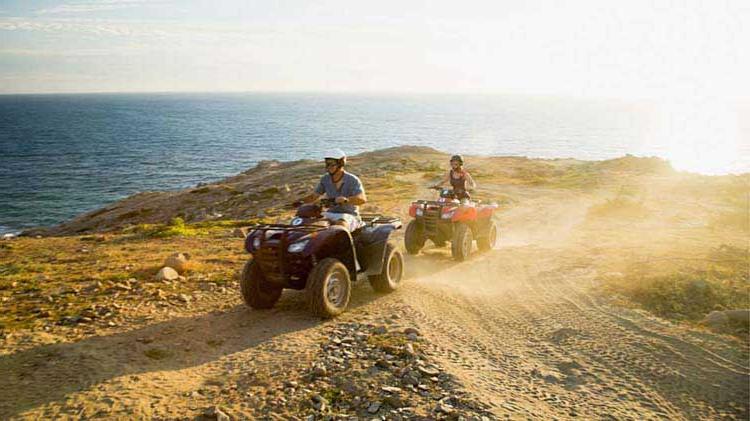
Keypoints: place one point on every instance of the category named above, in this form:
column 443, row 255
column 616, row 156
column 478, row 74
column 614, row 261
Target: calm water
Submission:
column 61, row 155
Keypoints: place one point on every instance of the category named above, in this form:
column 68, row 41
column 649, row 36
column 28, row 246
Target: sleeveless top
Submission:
column 459, row 186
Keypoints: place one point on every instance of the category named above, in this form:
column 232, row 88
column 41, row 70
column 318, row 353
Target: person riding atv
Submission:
column 344, row 188
column 459, row 178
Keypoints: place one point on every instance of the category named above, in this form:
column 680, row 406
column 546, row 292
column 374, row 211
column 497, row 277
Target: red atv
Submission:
column 449, row 219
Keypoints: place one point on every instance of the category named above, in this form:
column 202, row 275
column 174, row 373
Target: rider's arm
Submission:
column 359, row 199
column 470, row 181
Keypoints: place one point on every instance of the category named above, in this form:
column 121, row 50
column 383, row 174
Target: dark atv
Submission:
column 449, row 219
column 323, row 258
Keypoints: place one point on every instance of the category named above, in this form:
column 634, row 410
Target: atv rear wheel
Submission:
column 462, row 242
column 328, row 288
column 256, row 291
column 393, row 270
column 488, row 241
column 413, row 238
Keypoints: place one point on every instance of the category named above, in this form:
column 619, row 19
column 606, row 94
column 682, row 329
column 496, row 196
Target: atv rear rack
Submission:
column 374, row 218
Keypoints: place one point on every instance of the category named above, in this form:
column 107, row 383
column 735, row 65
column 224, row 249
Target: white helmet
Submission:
column 336, row 154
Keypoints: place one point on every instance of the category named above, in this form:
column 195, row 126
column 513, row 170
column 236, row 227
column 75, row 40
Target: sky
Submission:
column 599, row 48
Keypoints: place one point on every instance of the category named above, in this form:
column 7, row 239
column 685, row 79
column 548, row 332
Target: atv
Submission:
column 313, row 254
column 449, row 219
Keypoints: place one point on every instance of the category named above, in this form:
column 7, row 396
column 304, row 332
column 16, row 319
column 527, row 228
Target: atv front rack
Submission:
column 275, row 260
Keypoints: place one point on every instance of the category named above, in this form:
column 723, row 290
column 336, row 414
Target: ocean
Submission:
column 61, row 155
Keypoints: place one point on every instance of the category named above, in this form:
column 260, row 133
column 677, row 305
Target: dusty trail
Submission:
column 519, row 327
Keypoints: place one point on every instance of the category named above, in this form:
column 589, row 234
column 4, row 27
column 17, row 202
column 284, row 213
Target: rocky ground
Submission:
column 545, row 326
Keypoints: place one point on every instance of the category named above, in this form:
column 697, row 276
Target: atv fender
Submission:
column 464, row 214
column 336, row 242
column 486, row 211
column 372, row 248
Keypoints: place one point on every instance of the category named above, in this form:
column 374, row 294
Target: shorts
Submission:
column 352, row 222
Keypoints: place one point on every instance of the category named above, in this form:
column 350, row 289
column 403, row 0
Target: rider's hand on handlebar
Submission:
column 341, row 199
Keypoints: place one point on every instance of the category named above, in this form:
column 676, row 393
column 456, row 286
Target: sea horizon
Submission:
column 69, row 153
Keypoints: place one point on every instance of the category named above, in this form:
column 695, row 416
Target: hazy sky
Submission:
column 623, row 48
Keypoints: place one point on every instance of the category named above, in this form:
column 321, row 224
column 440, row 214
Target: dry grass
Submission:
column 686, row 289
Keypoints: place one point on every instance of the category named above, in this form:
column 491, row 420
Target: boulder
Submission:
column 179, row 262
column 167, row 274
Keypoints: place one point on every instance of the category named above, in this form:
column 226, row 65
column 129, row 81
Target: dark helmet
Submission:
column 457, row 158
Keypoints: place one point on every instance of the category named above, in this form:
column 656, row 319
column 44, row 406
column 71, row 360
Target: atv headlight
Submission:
column 447, row 215
column 420, row 211
column 256, row 242
column 298, row 246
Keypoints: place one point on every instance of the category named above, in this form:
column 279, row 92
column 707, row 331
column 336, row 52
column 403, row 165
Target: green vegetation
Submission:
column 178, row 228
column 157, row 353
column 9, row 269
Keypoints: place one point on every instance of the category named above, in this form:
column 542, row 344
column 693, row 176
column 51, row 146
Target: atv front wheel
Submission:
column 328, row 288
column 462, row 241
column 393, row 270
column 256, row 291
column 487, row 242
column 413, row 238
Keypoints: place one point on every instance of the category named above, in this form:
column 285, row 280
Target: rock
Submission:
column 383, row 364
column 412, row 337
column 374, row 407
column 179, row 262
column 380, row 330
column 320, row 371
column 391, row 389
column 394, row 401
column 215, row 413
column 409, row 380
column 411, row 330
column 319, row 403
column 428, row 371
column 184, row 298
column 8, row 236
column 167, row 274
column 409, row 350
column 444, row 408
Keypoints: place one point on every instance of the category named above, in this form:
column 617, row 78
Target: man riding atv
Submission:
column 459, row 178
column 345, row 188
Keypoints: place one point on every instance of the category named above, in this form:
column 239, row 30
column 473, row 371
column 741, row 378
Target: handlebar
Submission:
column 325, row 203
